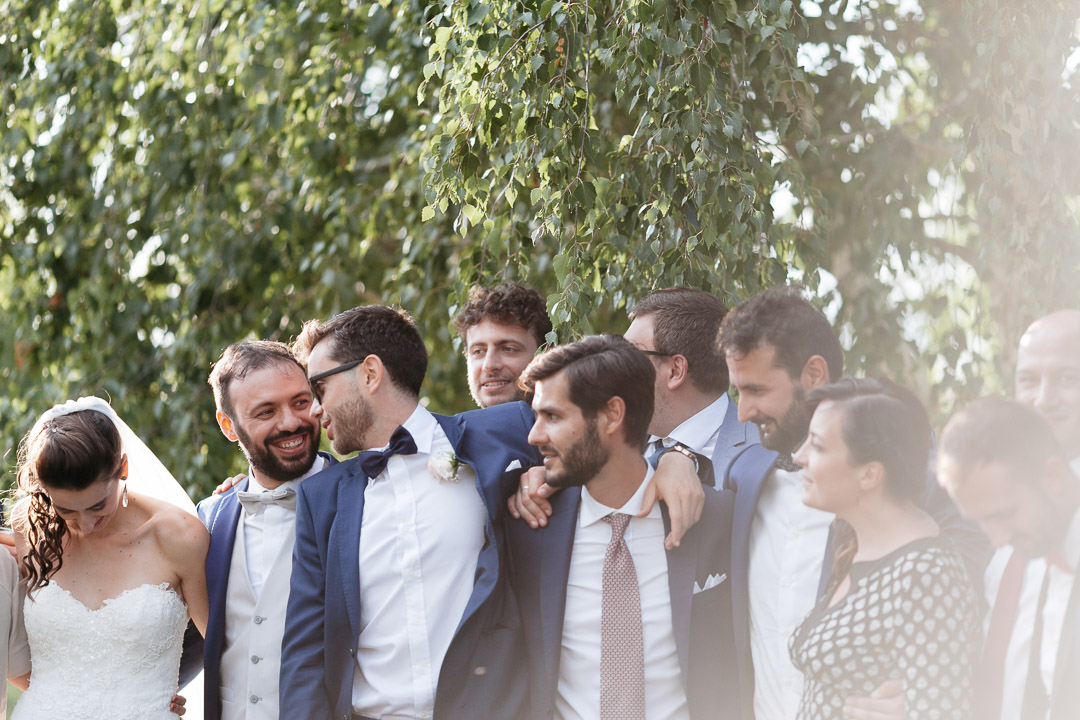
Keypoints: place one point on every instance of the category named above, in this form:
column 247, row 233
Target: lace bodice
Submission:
column 120, row 661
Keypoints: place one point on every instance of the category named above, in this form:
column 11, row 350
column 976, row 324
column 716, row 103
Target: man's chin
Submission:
column 487, row 400
column 562, row 481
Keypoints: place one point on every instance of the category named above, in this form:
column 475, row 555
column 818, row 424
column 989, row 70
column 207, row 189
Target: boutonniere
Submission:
column 444, row 466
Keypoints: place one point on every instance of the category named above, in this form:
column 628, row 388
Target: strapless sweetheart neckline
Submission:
column 118, row 661
column 167, row 587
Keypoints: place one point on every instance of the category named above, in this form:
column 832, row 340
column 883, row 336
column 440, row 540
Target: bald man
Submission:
column 1048, row 380
column 1048, row 376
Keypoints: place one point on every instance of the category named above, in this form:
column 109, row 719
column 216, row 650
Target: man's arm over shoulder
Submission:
column 303, row 667
column 508, row 426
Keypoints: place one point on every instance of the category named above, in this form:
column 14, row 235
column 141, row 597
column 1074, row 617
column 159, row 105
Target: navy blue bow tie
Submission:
column 374, row 461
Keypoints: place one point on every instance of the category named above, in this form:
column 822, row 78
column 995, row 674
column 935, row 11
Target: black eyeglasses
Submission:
column 315, row 380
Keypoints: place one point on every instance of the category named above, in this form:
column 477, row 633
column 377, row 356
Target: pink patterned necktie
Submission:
column 622, row 648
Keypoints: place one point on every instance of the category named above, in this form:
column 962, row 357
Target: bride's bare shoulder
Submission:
column 174, row 528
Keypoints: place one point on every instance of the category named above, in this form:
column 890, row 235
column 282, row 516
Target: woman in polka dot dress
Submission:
column 898, row 605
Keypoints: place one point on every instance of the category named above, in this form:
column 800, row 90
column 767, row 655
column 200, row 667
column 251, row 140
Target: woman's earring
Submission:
column 124, row 499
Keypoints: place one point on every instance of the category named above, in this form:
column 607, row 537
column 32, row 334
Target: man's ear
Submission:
column 226, row 424
column 678, row 372
column 815, row 373
column 372, row 373
column 611, row 416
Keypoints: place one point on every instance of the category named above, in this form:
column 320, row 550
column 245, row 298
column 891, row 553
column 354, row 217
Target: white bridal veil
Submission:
column 146, row 475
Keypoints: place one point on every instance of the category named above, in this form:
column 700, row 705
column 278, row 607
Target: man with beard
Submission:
column 501, row 328
column 263, row 402
column 778, row 347
column 618, row 627
column 398, row 606
column 676, row 328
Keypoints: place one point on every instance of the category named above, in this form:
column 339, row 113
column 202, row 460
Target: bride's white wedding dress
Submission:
column 119, row 661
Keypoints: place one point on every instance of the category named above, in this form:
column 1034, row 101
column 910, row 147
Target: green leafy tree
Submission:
column 178, row 176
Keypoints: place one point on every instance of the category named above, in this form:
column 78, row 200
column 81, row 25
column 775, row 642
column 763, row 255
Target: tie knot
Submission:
column 374, row 461
column 619, row 523
column 253, row 502
column 785, row 463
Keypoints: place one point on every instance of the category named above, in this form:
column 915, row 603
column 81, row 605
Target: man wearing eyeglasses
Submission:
column 398, row 607
column 677, row 329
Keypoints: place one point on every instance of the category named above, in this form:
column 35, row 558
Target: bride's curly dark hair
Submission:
column 69, row 452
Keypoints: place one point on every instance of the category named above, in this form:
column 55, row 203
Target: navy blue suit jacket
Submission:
column 482, row 674
column 746, row 476
column 733, row 437
column 540, row 568
column 220, row 514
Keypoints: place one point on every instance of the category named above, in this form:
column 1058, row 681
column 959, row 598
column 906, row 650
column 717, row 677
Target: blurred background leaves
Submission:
column 177, row 176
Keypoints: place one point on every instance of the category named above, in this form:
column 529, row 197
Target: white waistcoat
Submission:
column 251, row 660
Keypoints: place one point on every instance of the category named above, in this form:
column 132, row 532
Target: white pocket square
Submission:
column 516, row 464
column 710, row 582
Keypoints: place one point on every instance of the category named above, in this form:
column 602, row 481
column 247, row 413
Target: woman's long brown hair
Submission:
column 69, row 452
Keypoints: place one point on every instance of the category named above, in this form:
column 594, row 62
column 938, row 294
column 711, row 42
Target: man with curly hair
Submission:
column 501, row 327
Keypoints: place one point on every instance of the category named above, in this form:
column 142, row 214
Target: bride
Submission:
column 113, row 556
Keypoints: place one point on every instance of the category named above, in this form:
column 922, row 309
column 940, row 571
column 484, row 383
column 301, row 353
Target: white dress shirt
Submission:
column 1018, row 654
column 266, row 529
column 699, row 432
column 419, row 543
column 787, row 546
column 579, row 662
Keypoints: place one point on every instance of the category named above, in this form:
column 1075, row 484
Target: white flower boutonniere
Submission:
column 444, row 466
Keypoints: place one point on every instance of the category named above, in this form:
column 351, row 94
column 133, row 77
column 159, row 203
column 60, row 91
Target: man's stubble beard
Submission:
column 352, row 424
column 791, row 429
column 582, row 462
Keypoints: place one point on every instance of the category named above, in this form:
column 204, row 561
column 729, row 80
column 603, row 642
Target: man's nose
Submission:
column 536, row 434
column 746, row 409
column 291, row 420
column 492, row 361
column 1046, row 396
column 316, row 409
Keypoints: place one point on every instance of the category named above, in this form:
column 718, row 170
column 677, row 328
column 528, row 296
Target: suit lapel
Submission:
column 223, row 526
column 487, row 563
column 347, row 522
column 681, row 569
column 555, row 545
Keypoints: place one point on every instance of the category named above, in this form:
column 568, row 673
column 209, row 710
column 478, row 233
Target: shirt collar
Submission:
column 316, row 467
column 700, row 429
column 421, row 425
column 593, row 511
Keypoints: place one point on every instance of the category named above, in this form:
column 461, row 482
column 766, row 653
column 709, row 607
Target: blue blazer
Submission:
column 733, row 437
column 482, row 674
column 746, row 476
column 540, row 569
column 221, row 515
